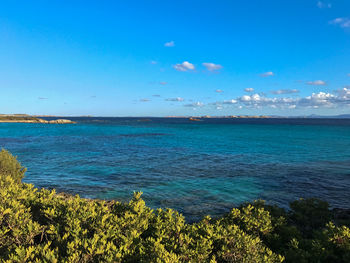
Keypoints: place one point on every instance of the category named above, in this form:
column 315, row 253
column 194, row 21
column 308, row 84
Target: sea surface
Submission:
column 197, row 168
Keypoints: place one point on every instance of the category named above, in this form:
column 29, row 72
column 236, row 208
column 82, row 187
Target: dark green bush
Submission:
column 9, row 166
column 310, row 214
column 43, row 226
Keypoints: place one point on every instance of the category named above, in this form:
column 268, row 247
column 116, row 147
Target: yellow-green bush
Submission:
column 9, row 166
column 43, row 226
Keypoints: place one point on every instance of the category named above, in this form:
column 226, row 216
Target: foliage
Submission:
column 43, row 226
column 9, row 166
column 18, row 118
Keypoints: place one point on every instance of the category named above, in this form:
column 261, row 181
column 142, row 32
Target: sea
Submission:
column 199, row 168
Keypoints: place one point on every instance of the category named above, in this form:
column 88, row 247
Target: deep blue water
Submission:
column 198, row 168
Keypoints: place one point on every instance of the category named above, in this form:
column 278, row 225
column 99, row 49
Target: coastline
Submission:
column 29, row 119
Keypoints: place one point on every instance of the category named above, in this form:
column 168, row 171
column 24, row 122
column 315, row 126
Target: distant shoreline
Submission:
column 30, row 119
column 25, row 118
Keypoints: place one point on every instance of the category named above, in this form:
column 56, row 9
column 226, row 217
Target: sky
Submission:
column 175, row 58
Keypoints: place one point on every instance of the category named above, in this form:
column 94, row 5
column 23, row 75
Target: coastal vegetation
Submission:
column 4, row 118
column 40, row 225
column 19, row 118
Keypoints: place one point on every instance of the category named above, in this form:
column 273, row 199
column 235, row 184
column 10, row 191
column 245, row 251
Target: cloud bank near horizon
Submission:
column 340, row 98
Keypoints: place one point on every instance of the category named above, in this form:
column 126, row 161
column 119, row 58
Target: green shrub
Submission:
column 9, row 166
column 310, row 214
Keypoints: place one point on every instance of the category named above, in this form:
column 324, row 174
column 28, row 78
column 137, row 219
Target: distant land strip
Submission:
column 18, row 118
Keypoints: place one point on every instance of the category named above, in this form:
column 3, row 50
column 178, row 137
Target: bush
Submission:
column 9, row 166
column 43, row 226
column 310, row 214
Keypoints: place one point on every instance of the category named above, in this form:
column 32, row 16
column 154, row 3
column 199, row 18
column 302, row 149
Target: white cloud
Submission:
column 252, row 98
column 267, row 74
column 317, row 83
column 170, row 44
column 258, row 101
column 284, row 91
column 195, row 104
column 337, row 99
column 175, row 99
column 219, row 91
column 184, row 66
column 245, row 98
column 144, row 100
column 343, row 96
column 230, row 101
column 343, row 22
column 317, row 99
column 153, row 62
column 321, row 5
column 248, row 89
column 348, row 74
column 212, row 66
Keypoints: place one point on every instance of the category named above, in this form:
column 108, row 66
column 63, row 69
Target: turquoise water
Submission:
column 197, row 168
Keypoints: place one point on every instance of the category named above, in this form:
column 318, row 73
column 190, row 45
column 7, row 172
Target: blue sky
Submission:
column 161, row 58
